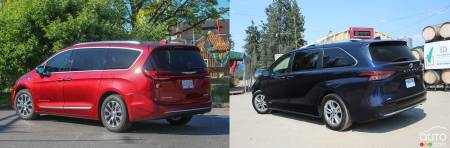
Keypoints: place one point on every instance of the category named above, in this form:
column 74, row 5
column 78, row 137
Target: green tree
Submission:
column 171, row 13
column 282, row 31
column 252, row 48
column 33, row 30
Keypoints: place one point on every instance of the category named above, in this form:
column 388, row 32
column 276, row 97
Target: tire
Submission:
column 179, row 120
column 337, row 116
column 259, row 103
column 114, row 114
column 24, row 105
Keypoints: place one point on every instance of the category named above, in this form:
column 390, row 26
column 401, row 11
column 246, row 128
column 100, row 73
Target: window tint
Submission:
column 88, row 59
column 282, row 66
column 120, row 58
column 59, row 62
column 305, row 60
column 335, row 57
column 390, row 52
column 176, row 59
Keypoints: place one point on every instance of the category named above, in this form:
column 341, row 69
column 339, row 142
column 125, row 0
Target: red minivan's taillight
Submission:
column 157, row 74
column 377, row 75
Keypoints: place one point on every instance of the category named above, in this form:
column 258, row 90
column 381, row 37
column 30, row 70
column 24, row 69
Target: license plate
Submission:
column 410, row 83
column 186, row 84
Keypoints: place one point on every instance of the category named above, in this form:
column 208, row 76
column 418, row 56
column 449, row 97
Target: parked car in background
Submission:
column 117, row 82
column 342, row 83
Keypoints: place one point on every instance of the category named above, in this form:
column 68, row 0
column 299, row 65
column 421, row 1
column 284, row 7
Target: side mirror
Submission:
column 40, row 70
column 261, row 73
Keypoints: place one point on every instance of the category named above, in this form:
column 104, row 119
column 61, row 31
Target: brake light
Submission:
column 157, row 74
column 377, row 75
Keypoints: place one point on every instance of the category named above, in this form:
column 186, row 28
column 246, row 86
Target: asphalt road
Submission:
column 249, row 129
column 204, row 131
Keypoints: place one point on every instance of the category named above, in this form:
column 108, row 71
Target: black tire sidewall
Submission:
column 125, row 124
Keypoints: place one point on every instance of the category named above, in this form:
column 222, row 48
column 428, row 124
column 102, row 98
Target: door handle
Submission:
column 289, row 77
column 67, row 79
column 59, row 79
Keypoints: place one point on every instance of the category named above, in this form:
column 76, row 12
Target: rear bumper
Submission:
column 391, row 108
column 147, row 109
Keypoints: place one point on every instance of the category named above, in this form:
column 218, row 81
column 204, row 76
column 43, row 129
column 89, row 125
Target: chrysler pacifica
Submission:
column 117, row 83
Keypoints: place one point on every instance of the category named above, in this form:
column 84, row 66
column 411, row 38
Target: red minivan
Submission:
column 117, row 82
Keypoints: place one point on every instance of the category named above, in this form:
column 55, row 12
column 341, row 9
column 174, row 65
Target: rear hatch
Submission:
column 179, row 75
column 394, row 58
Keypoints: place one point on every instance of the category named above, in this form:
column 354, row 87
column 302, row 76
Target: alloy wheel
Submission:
column 260, row 103
column 113, row 113
column 333, row 112
column 24, row 105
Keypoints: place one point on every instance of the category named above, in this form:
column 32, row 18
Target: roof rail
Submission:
column 120, row 42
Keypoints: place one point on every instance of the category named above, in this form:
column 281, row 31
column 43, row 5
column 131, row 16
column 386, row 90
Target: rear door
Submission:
column 407, row 78
column 81, row 84
column 303, row 78
column 180, row 75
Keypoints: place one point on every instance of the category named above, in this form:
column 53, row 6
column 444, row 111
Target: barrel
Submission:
column 430, row 33
column 431, row 77
column 444, row 30
column 417, row 53
column 445, row 75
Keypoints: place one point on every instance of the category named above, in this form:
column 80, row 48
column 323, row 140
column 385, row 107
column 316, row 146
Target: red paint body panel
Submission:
column 80, row 93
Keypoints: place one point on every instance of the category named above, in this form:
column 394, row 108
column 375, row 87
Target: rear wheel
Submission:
column 114, row 114
column 24, row 105
column 179, row 120
column 335, row 113
column 259, row 103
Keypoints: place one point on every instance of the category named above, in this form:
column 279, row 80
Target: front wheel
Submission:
column 259, row 102
column 335, row 113
column 114, row 114
column 179, row 120
column 24, row 105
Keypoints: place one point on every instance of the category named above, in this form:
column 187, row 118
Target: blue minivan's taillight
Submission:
column 377, row 75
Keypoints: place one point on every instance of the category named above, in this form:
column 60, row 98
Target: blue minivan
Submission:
column 342, row 83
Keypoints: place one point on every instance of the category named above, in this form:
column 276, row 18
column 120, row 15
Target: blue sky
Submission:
column 398, row 18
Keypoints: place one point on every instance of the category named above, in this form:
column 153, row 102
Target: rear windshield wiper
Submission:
column 193, row 70
column 401, row 59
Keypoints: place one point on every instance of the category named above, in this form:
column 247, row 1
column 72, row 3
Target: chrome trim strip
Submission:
column 396, row 112
column 62, row 107
column 188, row 110
column 52, row 107
column 78, row 107
column 110, row 42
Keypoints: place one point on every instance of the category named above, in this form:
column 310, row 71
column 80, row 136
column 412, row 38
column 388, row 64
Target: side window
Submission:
column 335, row 57
column 305, row 60
column 88, row 59
column 120, row 58
column 59, row 62
column 282, row 66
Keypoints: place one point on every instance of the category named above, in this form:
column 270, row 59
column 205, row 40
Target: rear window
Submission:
column 390, row 52
column 176, row 59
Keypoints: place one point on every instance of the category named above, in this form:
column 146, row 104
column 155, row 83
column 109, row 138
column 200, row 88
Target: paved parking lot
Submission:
column 209, row 131
column 249, row 129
